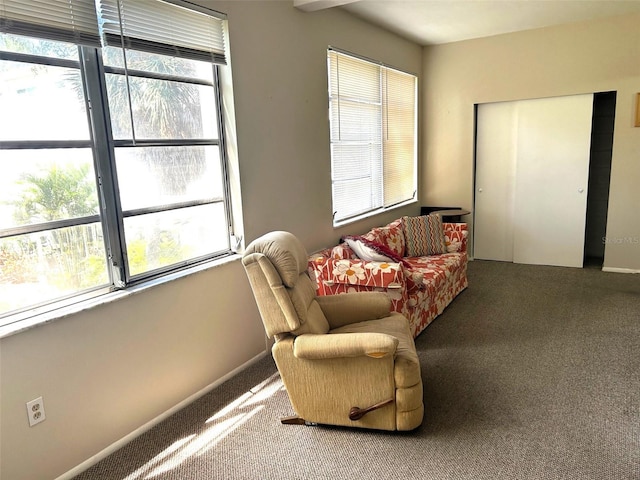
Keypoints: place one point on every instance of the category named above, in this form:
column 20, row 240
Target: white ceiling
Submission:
column 431, row 22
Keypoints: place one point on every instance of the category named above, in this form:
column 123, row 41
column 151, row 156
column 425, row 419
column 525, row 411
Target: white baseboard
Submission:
column 152, row 423
column 619, row 270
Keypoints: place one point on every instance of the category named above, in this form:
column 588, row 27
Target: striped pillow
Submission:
column 424, row 235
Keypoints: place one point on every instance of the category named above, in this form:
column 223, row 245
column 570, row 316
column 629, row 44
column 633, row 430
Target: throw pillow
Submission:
column 370, row 251
column 424, row 235
column 390, row 236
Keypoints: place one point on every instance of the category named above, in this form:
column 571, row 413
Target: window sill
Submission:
column 39, row 319
column 372, row 213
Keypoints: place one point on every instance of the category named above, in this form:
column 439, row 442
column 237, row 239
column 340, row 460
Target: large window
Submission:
column 112, row 160
column 373, row 119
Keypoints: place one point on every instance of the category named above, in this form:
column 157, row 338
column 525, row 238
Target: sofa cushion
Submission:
column 436, row 270
column 424, row 235
column 358, row 272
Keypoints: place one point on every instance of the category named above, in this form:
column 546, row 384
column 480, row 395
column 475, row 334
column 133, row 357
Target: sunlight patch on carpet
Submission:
column 221, row 424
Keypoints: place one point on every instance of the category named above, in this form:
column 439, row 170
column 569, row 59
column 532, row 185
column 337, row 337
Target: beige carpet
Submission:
column 531, row 373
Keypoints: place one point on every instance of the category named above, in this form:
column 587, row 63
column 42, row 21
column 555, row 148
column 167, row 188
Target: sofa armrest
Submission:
column 356, row 272
column 341, row 345
column 348, row 308
column 337, row 252
column 455, row 235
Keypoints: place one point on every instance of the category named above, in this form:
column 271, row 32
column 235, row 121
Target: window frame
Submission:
column 379, row 141
column 118, row 249
column 15, row 315
column 89, row 64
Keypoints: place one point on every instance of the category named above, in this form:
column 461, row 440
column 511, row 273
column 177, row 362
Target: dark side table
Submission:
column 448, row 214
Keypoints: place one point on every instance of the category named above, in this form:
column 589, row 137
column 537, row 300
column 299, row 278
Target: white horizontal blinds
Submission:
column 400, row 136
column 72, row 21
column 355, row 98
column 165, row 28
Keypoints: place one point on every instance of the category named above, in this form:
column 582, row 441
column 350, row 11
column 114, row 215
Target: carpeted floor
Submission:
column 533, row 372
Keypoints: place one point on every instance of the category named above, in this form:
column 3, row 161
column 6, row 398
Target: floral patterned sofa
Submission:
column 420, row 287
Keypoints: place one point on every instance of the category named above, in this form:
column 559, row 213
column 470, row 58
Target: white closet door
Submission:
column 495, row 181
column 552, row 171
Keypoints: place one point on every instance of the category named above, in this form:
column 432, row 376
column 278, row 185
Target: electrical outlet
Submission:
column 35, row 411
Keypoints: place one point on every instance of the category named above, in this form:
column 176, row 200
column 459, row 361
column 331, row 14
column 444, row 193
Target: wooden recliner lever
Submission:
column 356, row 413
column 293, row 420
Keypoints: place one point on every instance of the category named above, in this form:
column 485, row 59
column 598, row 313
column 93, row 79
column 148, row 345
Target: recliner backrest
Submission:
column 276, row 265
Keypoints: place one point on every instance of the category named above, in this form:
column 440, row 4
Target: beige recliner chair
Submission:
column 344, row 359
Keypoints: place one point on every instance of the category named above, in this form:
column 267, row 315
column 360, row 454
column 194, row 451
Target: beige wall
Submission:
column 588, row 57
column 279, row 63
column 107, row 371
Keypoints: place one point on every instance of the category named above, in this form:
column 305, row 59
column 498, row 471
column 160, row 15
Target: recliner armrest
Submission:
column 340, row 345
column 348, row 308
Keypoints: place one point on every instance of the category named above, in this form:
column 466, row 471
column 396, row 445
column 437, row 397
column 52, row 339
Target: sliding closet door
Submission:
column 532, row 167
column 495, row 181
column 552, row 174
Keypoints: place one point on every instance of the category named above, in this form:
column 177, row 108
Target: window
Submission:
column 373, row 121
column 112, row 159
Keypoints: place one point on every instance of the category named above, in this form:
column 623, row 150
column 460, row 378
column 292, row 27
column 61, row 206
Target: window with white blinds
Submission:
column 72, row 21
column 168, row 27
column 373, row 120
column 113, row 165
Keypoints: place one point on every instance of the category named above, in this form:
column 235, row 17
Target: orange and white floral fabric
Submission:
column 419, row 287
